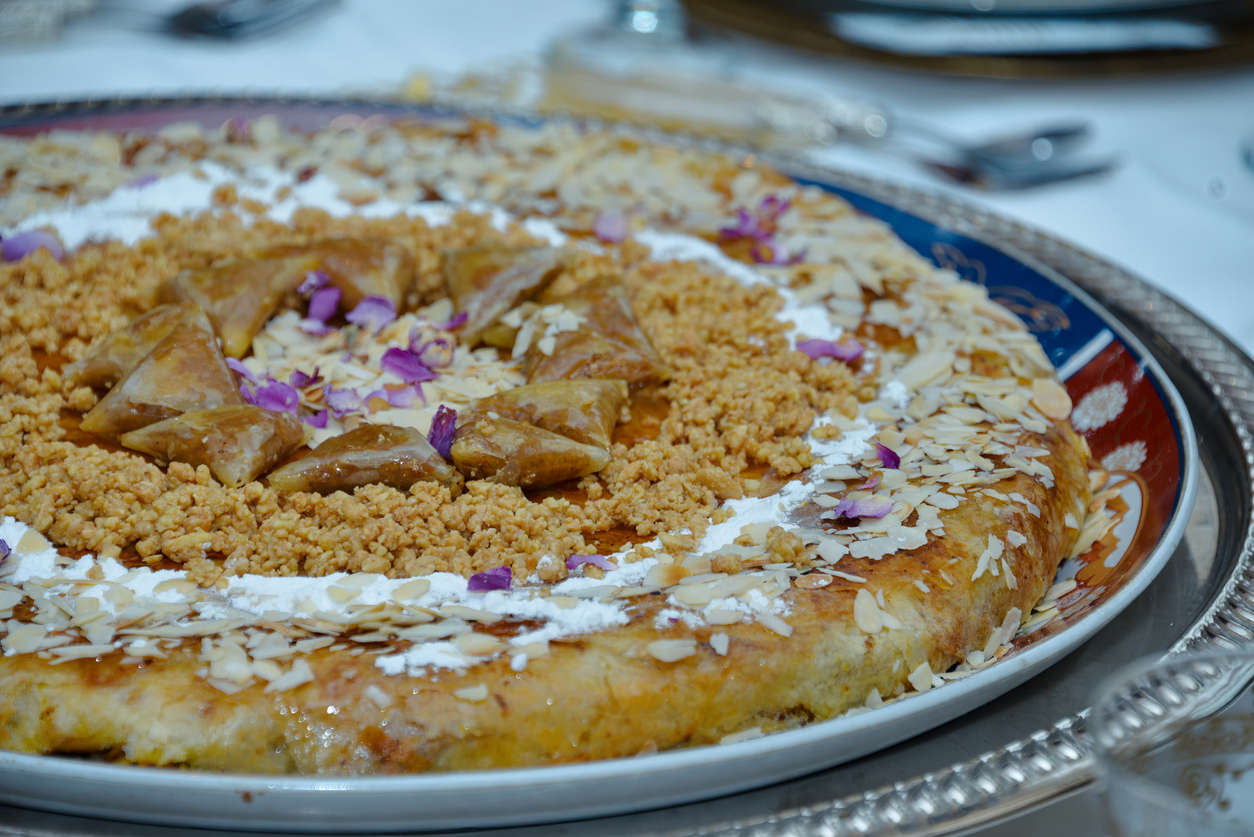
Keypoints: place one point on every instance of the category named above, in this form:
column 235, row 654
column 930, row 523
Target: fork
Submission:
column 667, row 89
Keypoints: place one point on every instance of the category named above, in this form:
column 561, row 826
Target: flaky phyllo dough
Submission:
column 528, row 446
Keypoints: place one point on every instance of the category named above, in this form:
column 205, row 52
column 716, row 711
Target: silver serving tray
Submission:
column 1027, row 747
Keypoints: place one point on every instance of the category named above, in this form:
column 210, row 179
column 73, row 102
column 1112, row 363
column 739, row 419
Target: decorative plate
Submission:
column 1126, row 407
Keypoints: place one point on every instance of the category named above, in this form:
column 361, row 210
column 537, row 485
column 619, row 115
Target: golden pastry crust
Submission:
column 596, row 696
column 898, row 565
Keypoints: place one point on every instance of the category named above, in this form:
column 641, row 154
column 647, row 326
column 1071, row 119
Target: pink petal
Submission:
column 373, row 313
column 610, row 226
column 443, row 427
column 406, row 365
column 17, row 247
column 318, row 419
column 313, row 280
column 888, row 457
column 240, row 369
column 499, row 578
column 847, row 349
column 324, row 303
column 455, row 323
column 574, row 561
column 341, row 401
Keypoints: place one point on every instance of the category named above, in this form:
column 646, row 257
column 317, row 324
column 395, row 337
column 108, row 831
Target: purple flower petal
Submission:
column 574, row 561
column 405, row 365
column 846, row 350
column 17, row 247
column 874, row 507
column 455, row 323
column 277, row 396
column 888, row 457
column 373, row 312
column 871, row 484
column 611, row 227
column 499, row 578
column 313, row 280
column 773, row 206
column 746, row 226
column 323, row 304
column 341, row 401
column 443, row 426
column 5, row 550
column 318, row 419
column 300, row 380
column 240, row 369
column 142, row 181
column 405, row 397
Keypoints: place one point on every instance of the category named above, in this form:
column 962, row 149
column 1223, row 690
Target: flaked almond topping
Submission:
column 866, row 612
column 921, row 677
column 720, row 642
column 1051, row 399
column 472, row 694
column 671, row 650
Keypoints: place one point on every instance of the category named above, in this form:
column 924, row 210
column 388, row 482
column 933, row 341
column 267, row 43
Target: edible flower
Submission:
column 610, row 227
column 760, row 226
column 341, row 401
column 575, row 561
column 142, row 181
column 499, row 578
column 317, row 420
column 871, row 484
column 237, row 366
column 17, row 247
column 313, row 280
column 888, row 457
column 455, row 322
column 373, row 312
column 5, row 550
column 407, row 366
column 404, row 397
column 323, row 304
column 272, row 395
column 300, row 380
column 846, row 349
column 443, row 427
column 850, row 509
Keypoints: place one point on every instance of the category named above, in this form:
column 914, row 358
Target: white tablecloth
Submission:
column 1178, row 211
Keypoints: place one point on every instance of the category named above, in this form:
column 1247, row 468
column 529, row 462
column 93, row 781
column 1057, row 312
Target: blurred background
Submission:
column 1141, row 111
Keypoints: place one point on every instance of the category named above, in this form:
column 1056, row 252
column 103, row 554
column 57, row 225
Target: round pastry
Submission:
column 446, row 445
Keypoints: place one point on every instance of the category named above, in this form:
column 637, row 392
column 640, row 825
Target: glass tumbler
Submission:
column 1174, row 739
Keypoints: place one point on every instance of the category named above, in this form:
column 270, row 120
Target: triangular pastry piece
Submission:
column 607, row 343
column 371, row 453
column 185, row 371
column 117, row 354
column 584, row 410
column 515, row 453
column 238, row 442
column 487, row 280
column 359, row 267
column 240, row 295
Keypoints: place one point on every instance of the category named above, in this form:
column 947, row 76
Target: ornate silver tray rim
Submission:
column 1052, row 762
